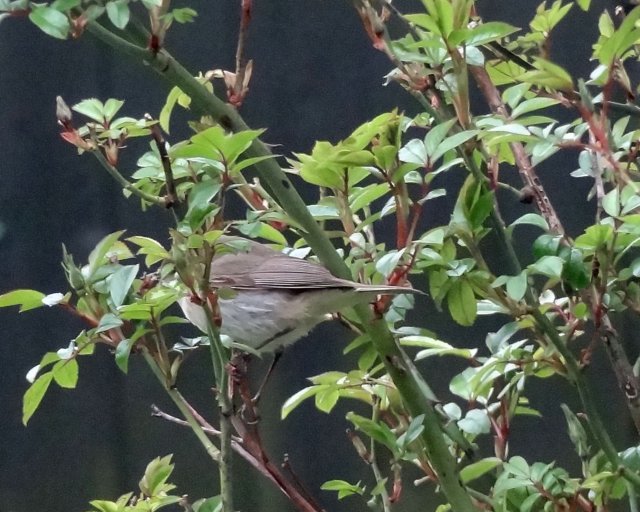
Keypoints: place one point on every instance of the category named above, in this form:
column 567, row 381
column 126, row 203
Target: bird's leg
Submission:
column 276, row 357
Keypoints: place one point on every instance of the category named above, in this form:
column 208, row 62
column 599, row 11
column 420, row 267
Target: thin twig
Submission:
column 124, row 183
column 197, row 429
column 241, row 61
column 236, row 442
column 159, row 413
column 171, row 198
column 384, row 494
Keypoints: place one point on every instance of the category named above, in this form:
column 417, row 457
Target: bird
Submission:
column 275, row 299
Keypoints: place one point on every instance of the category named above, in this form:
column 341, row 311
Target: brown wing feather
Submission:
column 276, row 271
column 294, row 273
column 265, row 268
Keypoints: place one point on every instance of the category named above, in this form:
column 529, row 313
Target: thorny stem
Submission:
column 526, row 170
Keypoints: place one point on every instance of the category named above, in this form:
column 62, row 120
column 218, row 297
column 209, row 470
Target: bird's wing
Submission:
column 277, row 271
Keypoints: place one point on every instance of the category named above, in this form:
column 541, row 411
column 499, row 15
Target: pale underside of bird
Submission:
column 275, row 299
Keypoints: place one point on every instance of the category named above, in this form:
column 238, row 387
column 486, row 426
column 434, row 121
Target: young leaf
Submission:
column 65, row 373
column 26, row 299
column 51, row 21
column 477, row 469
column 462, row 302
column 34, row 395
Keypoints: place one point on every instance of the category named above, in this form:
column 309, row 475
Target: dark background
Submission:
column 316, row 76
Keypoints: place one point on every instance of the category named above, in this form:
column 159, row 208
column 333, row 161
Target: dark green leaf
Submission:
column 120, row 282
column 575, row 271
column 546, row 245
column 123, row 351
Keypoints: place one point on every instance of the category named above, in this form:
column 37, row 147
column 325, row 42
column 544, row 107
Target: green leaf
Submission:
column 364, row 197
column 112, row 107
column 575, row 271
column 435, row 347
column 165, row 114
column 296, row 399
column 548, row 74
column 26, row 299
column 477, row 469
column 475, row 422
column 153, row 250
column 118, row 13
column 462, row 302
column 343, row 487
column 377, row 431
column 482, row 34
column 533, row 219
column 108, row 321
column 546, row 245
column 436, row 135
column 517, row 286
column 550, row 266
column 65, row 5
column 200, row 204
column 388, row 262
column 34, row 395
column 184, row 15
column 456, row 140
column 65, row 373
column 120, row 282
column 584, row 4
column 414, row 152
column 213, row 504
column 532, row 105
column 327, row 398
column 92, row 108
column 51, row 21
column 414, row 430
column 156, row 475
column 123, row 351
column 611, row 202
column 595, row 236
column 99, row 255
